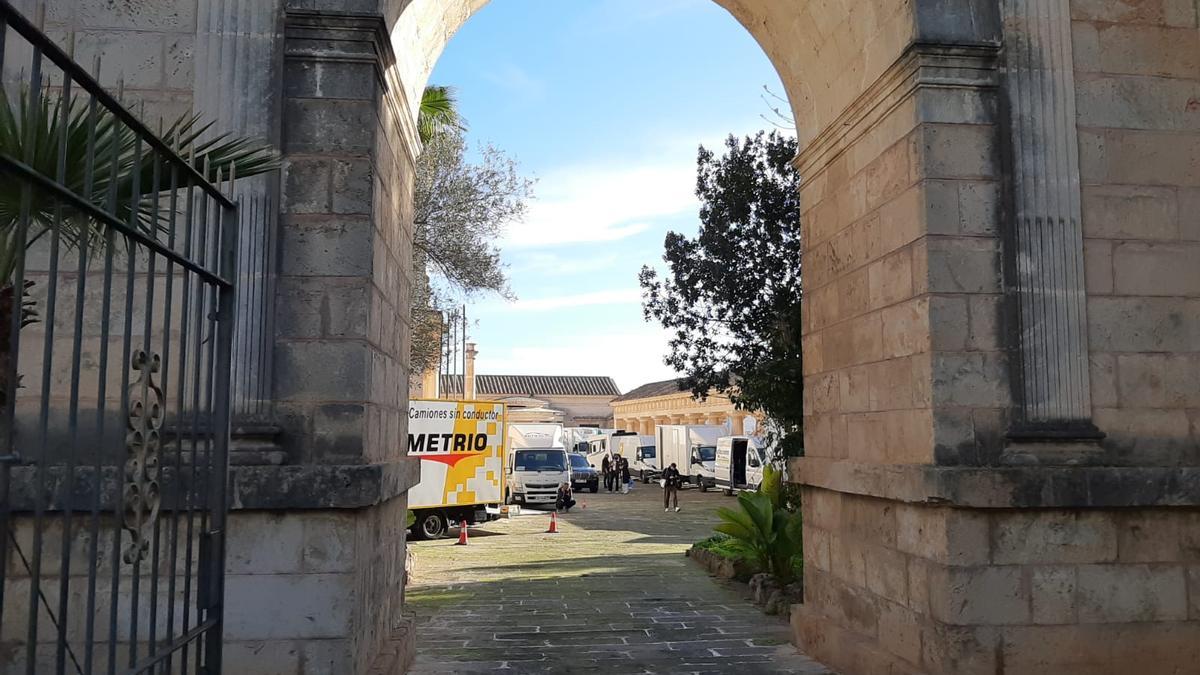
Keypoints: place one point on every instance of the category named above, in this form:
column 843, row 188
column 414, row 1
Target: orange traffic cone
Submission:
column 553, row 523
column 462, row 534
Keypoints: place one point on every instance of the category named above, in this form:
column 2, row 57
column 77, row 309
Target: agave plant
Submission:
column 769, row 536
column 93, row 154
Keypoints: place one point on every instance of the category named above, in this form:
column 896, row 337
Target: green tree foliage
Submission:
column 731, row 294
column 461, row 206
column 770, row 536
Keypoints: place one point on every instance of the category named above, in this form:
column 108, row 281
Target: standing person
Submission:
column 625, row 479
column 606, row 469
column 671, row 483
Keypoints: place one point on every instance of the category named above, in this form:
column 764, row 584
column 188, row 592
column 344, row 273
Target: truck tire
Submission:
column 645, row 478
column 429, row 525
column 594, row 487
column 728, row 492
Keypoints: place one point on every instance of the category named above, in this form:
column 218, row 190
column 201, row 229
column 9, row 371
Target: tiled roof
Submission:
column 534, row 385
column 664, row 388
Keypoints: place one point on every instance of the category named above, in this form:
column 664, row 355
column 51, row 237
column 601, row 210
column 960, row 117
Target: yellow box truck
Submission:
column 461, row 448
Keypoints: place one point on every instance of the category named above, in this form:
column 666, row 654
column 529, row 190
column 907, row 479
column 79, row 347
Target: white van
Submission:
column 641, row 453
column 692, row 449
column 740, row 463
column 537, row 463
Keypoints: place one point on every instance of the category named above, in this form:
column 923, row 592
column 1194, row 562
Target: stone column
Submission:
column 1045, row 244
column 237, row 75
column 737, row 426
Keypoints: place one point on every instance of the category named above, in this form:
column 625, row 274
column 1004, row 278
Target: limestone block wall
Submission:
column 1137, row 73
column 147, row 44
column 930, row 589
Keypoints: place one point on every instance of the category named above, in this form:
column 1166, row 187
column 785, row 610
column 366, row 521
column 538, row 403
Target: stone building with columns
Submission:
column 669, row 402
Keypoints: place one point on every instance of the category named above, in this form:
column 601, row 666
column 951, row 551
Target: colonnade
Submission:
column 646, row 424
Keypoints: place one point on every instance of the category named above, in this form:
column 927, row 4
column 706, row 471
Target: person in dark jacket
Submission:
column 606, row 469
column 623, row 472
column 672, row 481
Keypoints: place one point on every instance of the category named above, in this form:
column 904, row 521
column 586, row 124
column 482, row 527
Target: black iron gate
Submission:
column 117, row 254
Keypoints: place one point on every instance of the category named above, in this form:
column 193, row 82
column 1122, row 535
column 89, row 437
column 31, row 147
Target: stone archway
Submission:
column 993, row 278
column 947, row 330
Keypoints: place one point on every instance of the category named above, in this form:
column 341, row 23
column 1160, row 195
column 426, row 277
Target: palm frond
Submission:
column 89, row 151
column 438, row 113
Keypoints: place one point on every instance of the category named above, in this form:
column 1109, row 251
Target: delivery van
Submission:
column 739, row 465
column 460, row 445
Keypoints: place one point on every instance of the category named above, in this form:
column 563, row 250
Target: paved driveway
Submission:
column 611, row 591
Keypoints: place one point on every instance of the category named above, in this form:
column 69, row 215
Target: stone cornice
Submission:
column 1025, row 487
column 307, row 486
column 923, row 65
column 314, row 35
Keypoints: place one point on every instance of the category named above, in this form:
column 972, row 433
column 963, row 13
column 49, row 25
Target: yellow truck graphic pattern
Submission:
column 460, row 445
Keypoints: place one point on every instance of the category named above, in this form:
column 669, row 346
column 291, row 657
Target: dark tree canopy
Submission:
column 731, row 295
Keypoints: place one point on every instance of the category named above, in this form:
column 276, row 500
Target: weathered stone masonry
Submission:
column 978, row 499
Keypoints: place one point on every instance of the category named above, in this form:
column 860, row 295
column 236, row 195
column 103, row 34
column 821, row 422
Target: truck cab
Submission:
column 739, row 463
column 537, row 463
column 643, row 455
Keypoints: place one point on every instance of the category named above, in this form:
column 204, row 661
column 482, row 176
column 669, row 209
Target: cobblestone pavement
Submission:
column 611, row 591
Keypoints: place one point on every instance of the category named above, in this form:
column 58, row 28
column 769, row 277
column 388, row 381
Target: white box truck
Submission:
column 739, row 465
column 460, row 445
column 641, row 453
column 537, row 463
column 692, row 449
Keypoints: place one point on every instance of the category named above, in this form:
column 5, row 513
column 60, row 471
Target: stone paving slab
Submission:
column 612, row 591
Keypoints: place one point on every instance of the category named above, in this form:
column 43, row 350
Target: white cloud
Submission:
column 592, row 204
column 624, row 296
column 546, row 263
column 631, row 358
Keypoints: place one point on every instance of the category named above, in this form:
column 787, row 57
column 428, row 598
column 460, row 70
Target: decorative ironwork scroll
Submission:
column 143, row 443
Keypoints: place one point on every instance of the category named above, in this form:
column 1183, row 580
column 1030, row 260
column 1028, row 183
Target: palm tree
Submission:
column 438, row 113
column 103, row 165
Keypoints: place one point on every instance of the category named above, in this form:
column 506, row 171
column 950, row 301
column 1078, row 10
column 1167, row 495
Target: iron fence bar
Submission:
column 86, row 82
column 175, row 646
column 18, row 288
column 152, row 641
column 204, row 567
column 180, row 400
column 28, row 173
column 194, row 490
column 126, row 403
column 7, row 454
column 60, row 663
column 219, row 455
column 102, row 405
column 81, row 287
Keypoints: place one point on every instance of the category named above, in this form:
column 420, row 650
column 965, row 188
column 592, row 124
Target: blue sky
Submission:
column 604, row 103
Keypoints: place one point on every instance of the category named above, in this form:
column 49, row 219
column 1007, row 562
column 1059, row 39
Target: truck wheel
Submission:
column 728, row 492
column 595, row 487
column 703, row 486
column 645, row 478
column 430, row 526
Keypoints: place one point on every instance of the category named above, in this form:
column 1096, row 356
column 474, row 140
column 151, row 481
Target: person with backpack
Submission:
column 671, row 482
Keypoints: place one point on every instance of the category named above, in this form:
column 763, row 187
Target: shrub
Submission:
column 768, row 535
